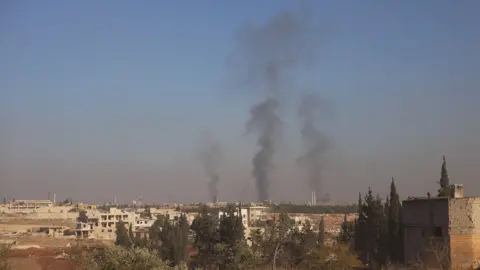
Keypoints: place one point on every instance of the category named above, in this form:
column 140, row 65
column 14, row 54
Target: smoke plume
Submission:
column 211, row 156
column 268, row 57
column 265, row 122
column 316, row 143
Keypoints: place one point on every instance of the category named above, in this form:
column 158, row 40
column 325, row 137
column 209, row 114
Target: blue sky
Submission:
column 137, row 82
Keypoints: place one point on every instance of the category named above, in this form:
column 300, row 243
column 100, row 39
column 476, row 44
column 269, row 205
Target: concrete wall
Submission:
column 464, row 215
column 417, row 224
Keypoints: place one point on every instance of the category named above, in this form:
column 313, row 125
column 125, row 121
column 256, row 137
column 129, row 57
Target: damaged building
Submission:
column 442, row 230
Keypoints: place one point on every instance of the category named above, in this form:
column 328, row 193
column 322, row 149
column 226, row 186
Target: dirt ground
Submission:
column 39, row 259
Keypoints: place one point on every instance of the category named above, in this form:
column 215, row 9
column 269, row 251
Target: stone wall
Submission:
column 416, row 221
column 464, row 229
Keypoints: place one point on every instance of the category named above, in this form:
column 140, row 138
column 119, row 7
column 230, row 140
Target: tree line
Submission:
column 212, row 242
column 376, row 236
column 219, row 242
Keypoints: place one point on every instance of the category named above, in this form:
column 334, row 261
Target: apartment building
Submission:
column 102, row 225
column 243, row 213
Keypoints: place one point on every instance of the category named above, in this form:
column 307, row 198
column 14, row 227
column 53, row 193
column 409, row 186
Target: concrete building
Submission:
column 29, row 204
column 251, row 214
column 243, row 212
column 442, row 228
column 102, row 225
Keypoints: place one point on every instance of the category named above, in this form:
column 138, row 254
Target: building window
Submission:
column 109, row 230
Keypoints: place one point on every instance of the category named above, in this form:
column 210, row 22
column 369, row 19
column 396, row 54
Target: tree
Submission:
column 180, row 241
column 122, row 238
column 206, row 239
column 371, row 232
column 395, row 235
column 116, row 257
column 146, row 213
column 444, row 190
column 232, row 239
column 347, row 232
column 82, row 216
column 321, row 233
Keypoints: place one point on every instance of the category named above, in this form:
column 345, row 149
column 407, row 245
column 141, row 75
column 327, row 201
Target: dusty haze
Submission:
column 100, row 101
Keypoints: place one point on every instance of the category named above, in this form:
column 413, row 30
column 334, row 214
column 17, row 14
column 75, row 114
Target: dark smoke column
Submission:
column 266, row 62
column 265, row 122
column 315, row 142
column 211, row 156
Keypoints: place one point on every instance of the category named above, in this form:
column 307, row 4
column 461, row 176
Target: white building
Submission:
column 243, row 212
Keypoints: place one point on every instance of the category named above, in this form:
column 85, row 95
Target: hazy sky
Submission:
column 105, row 98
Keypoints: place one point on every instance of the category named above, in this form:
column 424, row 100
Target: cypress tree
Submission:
column 130, row 234
column 122, row 238
column 359, row 235
column 394, row 225
column 444, row 190
column 321, row 233
column 346, row 235
column 206, row 239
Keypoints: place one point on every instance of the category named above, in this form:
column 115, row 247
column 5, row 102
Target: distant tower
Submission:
column 115, row 200
column 314, row 198
column 54, row 198
column 215, row 200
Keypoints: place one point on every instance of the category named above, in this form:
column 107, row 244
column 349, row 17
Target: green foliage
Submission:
column 444, row 190
column 337, row 257
column 378, row 237
column 170, row 239
column 321, row 233
column 205, row 226
column 118, row 258
column 146, row 213
column 123, row 238
column 347, row 232
column 395, row 235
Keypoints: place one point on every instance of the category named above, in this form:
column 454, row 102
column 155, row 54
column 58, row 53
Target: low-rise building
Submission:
column 102, row 225
column 29, row 204
column 442, row 230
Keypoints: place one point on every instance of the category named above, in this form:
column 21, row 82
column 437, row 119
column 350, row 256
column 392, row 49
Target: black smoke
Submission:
column 265, row 122
column 315, row 142
column 267, row 61
column 211, row 155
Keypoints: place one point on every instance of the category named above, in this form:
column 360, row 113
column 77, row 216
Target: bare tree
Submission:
column 435, row 253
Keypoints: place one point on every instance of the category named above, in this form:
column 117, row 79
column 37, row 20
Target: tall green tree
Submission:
column 321, row 233
column 181, row 246
column 360, row 235
column 122, row 237
column 205, row 226
column 146, row 213
column 232, row 239
column 444, row 182
column 170, row 239
column 395, row 236
column 347, row 232
column 372, row 231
